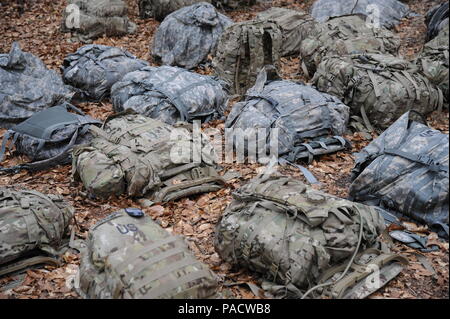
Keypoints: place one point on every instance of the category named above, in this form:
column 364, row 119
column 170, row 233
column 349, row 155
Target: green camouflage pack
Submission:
column 380, row 88
column 295, row 26
column 134, row 258
column 344, row 35
column 433, row 62
column 31, row 224
column 296, row 237
column 139, row 156
column 243, row 50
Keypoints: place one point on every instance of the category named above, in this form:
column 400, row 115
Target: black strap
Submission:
column 422, row 159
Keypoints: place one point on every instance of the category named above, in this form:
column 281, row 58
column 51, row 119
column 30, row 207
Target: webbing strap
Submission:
column 422, row 159
column 376, row 88
column 23, row 264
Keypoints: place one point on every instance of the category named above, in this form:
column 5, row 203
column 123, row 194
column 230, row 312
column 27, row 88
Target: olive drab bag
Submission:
column 405, row 171
column 33, row 228
column 296, row 237
column 48, row 137
column 344, row 35
column 139, row 156
column 244, row 48
column 129, row 256
column 379, row 88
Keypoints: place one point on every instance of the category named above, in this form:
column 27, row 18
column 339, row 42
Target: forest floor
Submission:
column 38, row 31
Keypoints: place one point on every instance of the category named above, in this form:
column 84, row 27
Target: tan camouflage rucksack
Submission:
column 344, row 35
column 33, row 228
column 129, row 256
column 139, row 156
column 243, row 50
column 90, row 19
column 296, row 237
column 379, row 88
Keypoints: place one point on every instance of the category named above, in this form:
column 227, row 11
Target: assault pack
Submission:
column 27, row 87
column 405, row 170
column 33, row 228
column 244, row 49
column 187, row 36
column 302, row 242
column 90, row 19
column 129, row 256
column 309, row 122
column 378, row 88
column 47, row 138
column 94, row 68
column 342, row 36
column 139, row 156
column 170, row 94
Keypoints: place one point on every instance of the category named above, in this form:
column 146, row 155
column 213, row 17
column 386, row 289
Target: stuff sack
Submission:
column 437, row 20
column 94, row 68
column 296, row 237
column 405, row 170
column 295, row 26
column 307, row 120
column 390, row 12
column 27, row 87
column 33, row 228
column 343, row 36
column 243, row 50
column 95, row 18
column 129, row 256
column 380, row 88
column 187, row 36
column 139, row 156
column 170, row 94
column 47, row 138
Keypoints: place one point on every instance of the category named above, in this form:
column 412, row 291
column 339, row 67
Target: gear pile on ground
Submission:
column 187, row 36
column 27, row 87
column 90, row 19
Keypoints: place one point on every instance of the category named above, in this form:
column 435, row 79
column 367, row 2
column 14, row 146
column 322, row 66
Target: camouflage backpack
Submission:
column 296, row 237
column 244, row 48
column 187, row 36
column 405, row 170
column 94, row 68
column 232, row 4
column 170, row 94
column 295, row 26
column 139, row 156
column 27, row 86
column 342, row 36
column 33, row 228
column 437, row 20
column 380, row 88
column 309, row 122
column 159, row 9
column 433, row 62
column 90, row 19
column 47, row 138
column 129, row 256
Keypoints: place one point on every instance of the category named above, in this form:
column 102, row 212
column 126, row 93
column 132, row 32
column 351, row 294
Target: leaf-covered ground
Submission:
column 37, row 30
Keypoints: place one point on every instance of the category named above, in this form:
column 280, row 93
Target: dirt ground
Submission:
column 37, row 30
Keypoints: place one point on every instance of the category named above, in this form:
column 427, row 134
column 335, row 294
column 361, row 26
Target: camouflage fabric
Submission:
column 233, row 4
column 96, row 18
column 436, row 20
column 170, row 94
column 299, row 112
column 159, row 9
column 94, row 68
column 390, row 12
column 139, row 156
column 342, row 36
column 187, row 36
column 31, row 222
column 381, row 88
column 405, row 170
column 47, row 137
column 295, row 26
column 244, row 48
column 27, row 87
column 291, row 234
column 433, row 62
column 134, row 258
